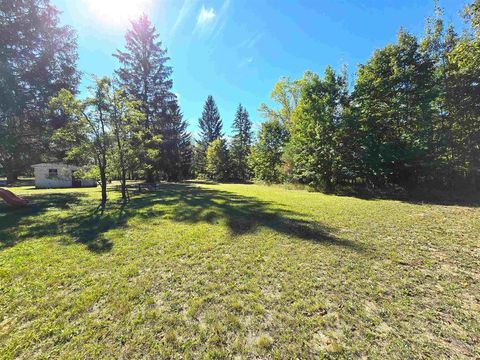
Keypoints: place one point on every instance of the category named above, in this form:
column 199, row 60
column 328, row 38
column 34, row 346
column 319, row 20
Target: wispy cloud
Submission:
column 210, row 21
column 251, row 41
column 205, row 17
column 185, row 11
column 222, row 18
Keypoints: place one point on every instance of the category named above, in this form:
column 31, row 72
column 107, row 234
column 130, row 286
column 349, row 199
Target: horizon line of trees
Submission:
column 410, row 118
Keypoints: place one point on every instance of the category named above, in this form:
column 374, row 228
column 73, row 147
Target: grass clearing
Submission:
column 247, row 271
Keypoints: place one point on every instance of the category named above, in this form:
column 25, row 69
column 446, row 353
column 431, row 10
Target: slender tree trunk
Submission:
column 123, row 181
column 123, row 170
column 103, row 180
column 12, row 176
column 149, row 176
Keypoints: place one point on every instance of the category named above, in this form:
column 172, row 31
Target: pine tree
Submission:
column 37, row 59
column 210, row 123
column 176, row 146
column 210, row 130
column 241, row 144
column 144, row 73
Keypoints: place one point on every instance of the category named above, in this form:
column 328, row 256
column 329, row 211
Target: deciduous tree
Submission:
column 37, row 59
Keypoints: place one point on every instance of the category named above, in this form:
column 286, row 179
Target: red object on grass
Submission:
column 12, row 199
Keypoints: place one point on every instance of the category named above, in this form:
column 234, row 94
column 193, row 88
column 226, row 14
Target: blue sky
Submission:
column 236, row 50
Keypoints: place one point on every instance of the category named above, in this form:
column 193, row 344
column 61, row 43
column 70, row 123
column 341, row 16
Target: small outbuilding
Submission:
column 51, row 175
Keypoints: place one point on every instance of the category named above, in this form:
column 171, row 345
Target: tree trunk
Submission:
column 103, row 179
column 12, row 176
column 149, row 176
column 123, row 181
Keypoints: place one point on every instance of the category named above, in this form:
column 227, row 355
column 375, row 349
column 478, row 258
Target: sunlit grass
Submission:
column 218, row 271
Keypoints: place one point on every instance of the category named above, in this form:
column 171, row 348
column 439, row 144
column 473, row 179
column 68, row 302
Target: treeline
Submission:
column 128, row 127
column 131, row 126
column 217, row 159
column 411, row 118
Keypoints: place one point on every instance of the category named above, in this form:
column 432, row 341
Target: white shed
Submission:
column 51, row 175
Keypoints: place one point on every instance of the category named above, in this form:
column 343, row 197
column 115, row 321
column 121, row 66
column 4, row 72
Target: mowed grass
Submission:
column 237, row 271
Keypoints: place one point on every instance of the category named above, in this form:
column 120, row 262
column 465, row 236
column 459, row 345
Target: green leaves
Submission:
column 266, row 156
column 37, row 58
column 314, row 148
column 217, row 162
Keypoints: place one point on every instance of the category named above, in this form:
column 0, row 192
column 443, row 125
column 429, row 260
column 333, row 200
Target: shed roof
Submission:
column 56, row 165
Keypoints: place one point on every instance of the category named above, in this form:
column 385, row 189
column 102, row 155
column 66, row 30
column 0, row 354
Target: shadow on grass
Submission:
column 419, row 196
column 11, row 218
column 72, row 217
column 83, row 221
column 241, row 214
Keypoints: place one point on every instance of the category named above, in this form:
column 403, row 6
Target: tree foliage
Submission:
column 37, row 59
column 211, row 127
column 217, row 161
column 394, row 95
column 314, row 130
column 241, row 145
column 266, row 157
column 176, row 147
column 102, row 125
column 145, row 74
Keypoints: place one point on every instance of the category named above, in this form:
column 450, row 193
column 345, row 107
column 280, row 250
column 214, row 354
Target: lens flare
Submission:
column 117, row 12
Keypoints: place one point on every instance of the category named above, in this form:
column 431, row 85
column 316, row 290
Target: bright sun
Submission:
column 117, row 12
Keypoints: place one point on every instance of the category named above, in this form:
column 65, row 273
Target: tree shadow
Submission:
column 241, row 214
column 418, row 196
column 11, row 218
column 83, row 221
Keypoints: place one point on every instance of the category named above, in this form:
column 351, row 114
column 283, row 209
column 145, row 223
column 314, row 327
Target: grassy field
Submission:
column 237, row 271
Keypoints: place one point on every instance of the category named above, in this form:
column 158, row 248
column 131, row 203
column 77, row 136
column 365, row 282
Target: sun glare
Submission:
column 117, row 12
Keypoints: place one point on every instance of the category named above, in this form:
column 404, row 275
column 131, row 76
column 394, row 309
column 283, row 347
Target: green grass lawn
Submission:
column 237, row 271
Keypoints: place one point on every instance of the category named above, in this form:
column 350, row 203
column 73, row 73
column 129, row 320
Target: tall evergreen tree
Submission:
column 210, row 123
column 241, row 144
column 144, row 73
column 176, row 146
column 37, row 59
column 211, row 127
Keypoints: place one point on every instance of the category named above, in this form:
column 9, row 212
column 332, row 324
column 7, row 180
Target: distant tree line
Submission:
column 129, row 126
column 214, row 157
column 411, row 116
